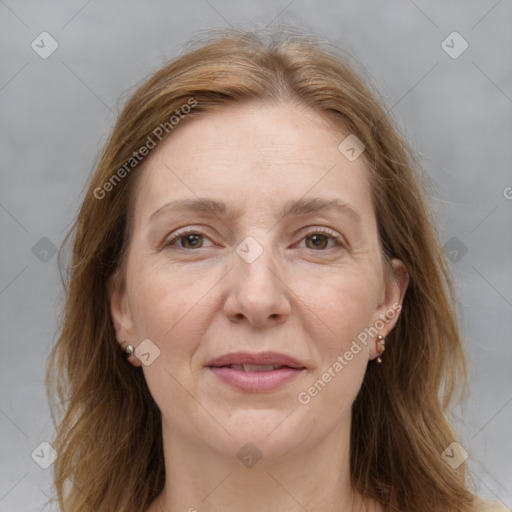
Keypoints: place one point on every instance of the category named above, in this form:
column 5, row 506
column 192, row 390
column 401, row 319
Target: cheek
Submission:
column 339, row 312
column 169, row 305
column 173, row 309
column 343, row 305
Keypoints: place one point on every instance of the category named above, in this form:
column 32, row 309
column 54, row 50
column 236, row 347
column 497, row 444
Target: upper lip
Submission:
column 263, row 358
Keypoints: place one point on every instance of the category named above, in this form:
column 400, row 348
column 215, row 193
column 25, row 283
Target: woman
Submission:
column 259, row 315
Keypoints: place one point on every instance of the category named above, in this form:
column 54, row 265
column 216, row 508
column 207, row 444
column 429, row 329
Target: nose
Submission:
column 258, row 293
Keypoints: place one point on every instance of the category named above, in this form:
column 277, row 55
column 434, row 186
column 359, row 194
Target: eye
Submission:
column 190, row 239
column 319, row 239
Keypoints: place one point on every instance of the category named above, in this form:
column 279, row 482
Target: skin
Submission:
column 304, row 296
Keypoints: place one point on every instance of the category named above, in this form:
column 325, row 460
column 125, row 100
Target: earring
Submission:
column 129, row 350
column 381, row 346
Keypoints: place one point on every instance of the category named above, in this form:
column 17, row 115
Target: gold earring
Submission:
column 381, row 346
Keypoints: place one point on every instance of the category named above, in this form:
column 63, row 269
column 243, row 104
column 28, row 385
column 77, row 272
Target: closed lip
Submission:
column 263, row 358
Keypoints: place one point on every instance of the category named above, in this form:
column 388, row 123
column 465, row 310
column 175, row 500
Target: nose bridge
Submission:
column 257, row 291
column 255, row 263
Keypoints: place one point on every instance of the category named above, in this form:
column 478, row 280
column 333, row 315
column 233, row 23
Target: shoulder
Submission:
column 491, row 506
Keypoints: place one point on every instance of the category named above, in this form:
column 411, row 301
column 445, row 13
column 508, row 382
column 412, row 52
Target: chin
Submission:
column 273, row 432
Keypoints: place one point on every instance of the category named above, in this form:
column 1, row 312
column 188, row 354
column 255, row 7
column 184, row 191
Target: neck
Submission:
column 315, row 478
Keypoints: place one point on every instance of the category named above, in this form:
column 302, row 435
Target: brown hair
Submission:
column 109, row 419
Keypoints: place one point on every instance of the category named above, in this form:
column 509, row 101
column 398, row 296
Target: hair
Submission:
column 108, row 433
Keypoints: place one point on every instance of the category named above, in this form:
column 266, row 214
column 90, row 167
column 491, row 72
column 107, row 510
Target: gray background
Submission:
column 57, row 112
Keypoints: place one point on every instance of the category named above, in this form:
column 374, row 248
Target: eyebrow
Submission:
column 291, row 209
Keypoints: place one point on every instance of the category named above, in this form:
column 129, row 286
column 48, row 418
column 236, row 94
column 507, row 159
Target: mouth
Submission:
column 244, row 361
column 255, row 367
column 256, row 372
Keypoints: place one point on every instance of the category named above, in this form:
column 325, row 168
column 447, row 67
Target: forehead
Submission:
column 253, row 156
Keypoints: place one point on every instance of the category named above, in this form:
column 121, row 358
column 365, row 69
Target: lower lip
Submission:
column 256, row 381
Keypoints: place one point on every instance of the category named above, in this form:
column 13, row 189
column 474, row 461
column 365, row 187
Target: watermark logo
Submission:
column 454, row 45
column 454, row 455
column 157, row 135
column 351, row 148
column 147, row 352
column 249, row 250
column 44, row 455
column 454, row 249
column 44, row 250
column 44, row 45
column 369, row 333
column 249, row 455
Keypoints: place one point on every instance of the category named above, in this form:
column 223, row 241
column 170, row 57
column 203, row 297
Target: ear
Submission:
column 388, row 311
column 121, row 314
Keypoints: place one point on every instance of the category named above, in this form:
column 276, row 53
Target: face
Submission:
column 285, row 260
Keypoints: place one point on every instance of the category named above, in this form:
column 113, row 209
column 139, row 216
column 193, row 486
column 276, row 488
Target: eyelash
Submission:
column 191, row 231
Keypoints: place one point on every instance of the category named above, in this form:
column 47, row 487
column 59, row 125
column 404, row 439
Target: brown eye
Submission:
column 318, row 241
column 188, row 240
column 192, row 241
